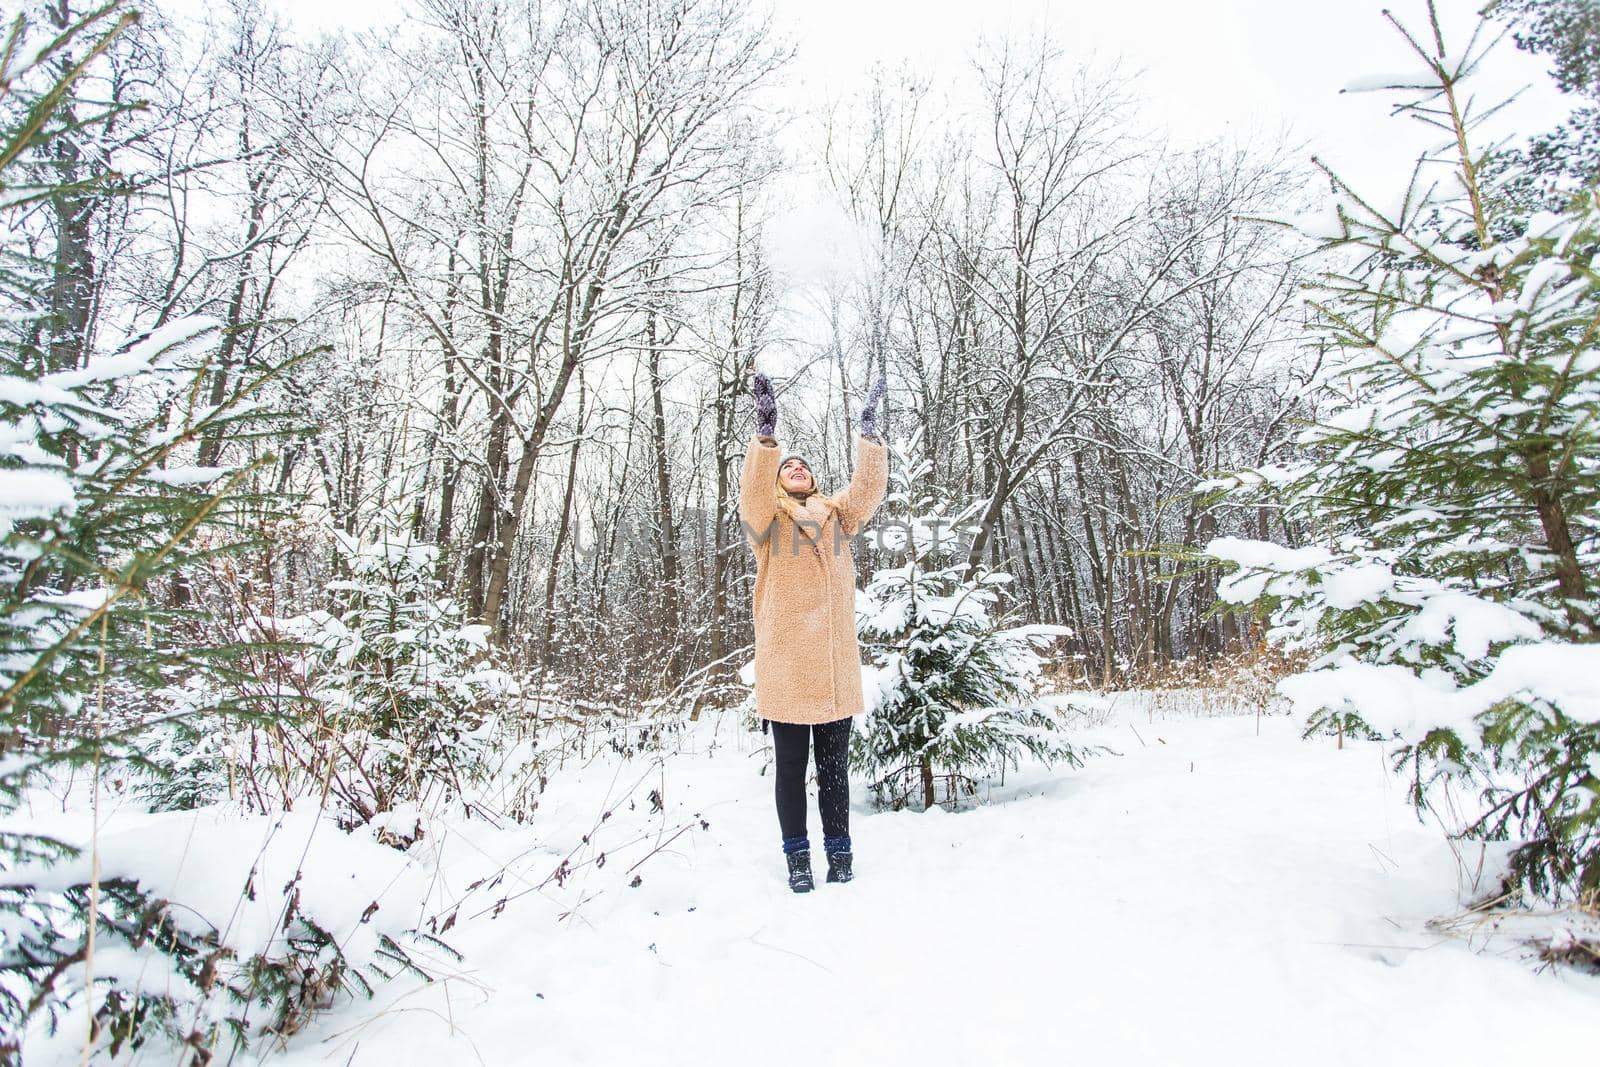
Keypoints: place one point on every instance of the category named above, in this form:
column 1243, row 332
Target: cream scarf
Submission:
column 795, row 509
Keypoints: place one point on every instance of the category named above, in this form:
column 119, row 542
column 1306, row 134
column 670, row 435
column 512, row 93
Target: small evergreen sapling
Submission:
column 400, row 675
column 956, row 686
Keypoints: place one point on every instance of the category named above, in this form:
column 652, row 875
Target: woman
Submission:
column 808, row 666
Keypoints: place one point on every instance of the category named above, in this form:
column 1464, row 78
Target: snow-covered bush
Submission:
column 387, row 699
column 957, row 689
column 404, row 695
column 1454, row 483
column 214, row 932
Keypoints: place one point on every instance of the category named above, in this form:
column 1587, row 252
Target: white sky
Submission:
column 1252, row 69
column 1209, row 66
column 1246, row 68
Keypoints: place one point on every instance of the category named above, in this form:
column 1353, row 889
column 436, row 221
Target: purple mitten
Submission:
column 766, row 406
column 869, row 410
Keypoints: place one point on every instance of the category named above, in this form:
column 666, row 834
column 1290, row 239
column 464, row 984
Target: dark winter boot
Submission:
column 800, row 879
column 839, row 867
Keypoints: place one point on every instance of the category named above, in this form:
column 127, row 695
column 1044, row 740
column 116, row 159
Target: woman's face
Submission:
column 795, row 475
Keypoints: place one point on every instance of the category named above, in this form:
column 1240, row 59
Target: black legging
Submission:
column 832, row 740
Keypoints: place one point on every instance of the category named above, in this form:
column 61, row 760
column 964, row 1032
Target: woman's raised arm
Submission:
column 757, row 502
column 862, row 496
column 871, row 479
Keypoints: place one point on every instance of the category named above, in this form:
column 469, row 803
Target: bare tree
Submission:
column 535, row 150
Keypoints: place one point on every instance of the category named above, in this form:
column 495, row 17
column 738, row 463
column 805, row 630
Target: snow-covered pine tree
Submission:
column 956, row 687
column 102, row 511
column 1453, row 486
column 1553, row 165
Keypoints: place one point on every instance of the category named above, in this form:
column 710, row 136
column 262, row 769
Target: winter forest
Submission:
column 383, row 414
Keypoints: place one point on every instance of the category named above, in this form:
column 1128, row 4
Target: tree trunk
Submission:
column 562, row 525
column 1558, row 538
column 666, row 533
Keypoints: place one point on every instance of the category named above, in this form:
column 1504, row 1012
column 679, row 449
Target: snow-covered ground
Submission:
column 1204, row 894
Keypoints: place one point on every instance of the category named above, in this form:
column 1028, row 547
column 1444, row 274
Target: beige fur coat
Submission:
column 808, row 665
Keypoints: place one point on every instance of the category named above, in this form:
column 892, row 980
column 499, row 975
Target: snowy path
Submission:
column 1265, row 905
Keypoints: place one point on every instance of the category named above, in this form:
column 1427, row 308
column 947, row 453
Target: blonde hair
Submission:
column 791, row 507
